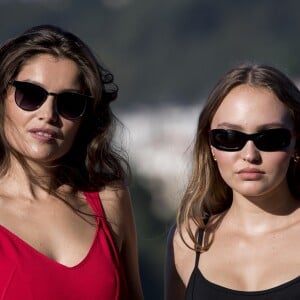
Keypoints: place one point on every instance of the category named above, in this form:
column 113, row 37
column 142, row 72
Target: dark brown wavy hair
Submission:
column 93, row 161
column 207, row 193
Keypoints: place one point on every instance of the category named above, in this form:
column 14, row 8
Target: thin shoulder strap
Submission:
column 94, row 200
column 200, row 237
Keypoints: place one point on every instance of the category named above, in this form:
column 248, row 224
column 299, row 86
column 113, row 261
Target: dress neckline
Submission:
column 42, row 255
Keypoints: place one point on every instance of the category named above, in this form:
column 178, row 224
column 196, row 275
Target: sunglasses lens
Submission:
column 227, row 140
column 273, row 139
column 268, row 140
column 29, row 96
column 71, row 105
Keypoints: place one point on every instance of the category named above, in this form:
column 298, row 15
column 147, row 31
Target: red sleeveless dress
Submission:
column 28, row 274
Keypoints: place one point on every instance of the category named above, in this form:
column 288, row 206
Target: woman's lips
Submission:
column 250, row 173
column 44, row 135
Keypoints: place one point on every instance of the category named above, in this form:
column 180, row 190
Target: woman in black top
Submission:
column 238, row 225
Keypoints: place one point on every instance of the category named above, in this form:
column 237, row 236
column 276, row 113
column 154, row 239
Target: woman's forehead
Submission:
column 251, row 106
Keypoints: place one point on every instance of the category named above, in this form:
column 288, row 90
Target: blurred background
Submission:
column 166, row 56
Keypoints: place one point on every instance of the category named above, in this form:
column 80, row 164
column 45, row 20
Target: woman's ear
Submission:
column 212, row 153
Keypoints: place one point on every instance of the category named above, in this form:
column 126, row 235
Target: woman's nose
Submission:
column 48, row 110
column 250, row 153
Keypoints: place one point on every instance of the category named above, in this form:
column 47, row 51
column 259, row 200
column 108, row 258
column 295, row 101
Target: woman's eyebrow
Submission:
column 258, row 128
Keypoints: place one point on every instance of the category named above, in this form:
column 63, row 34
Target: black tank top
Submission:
column 199, row 288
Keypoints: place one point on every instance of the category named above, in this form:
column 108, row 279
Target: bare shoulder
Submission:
column 180, row 262
column 184, row 254
column 115, row 196
column 116, row 202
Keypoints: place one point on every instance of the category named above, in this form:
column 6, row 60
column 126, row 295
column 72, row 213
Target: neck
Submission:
column 35, row 179
column 263, row 213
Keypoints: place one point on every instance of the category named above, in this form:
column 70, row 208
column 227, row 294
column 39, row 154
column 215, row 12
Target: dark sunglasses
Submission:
column 274, row 139
column 30, row 97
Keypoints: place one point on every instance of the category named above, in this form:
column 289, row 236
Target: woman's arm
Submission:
column 174, row 287
column 180, row 262
column 119, row 213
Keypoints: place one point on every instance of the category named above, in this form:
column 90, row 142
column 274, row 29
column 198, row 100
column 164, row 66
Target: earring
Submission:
column 296, row 158
column 213, row 155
